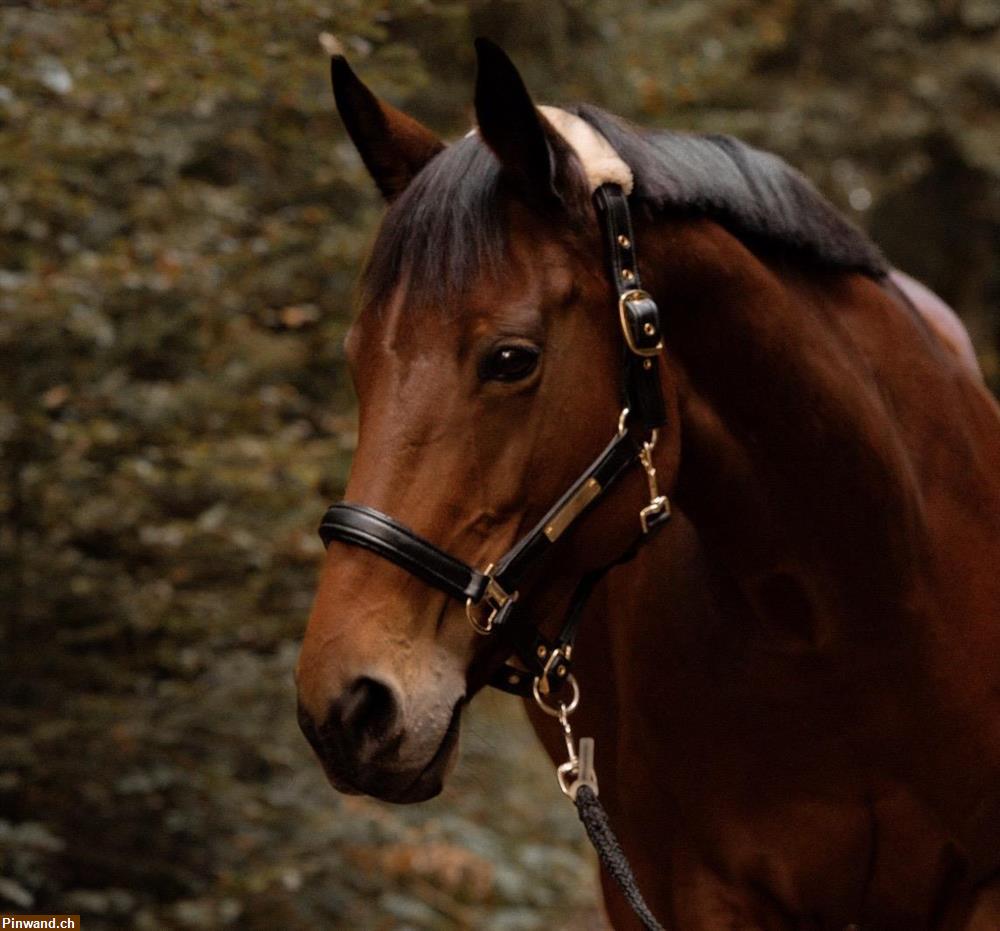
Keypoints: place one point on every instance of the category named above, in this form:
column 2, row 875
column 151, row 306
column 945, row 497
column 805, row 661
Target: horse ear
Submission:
column 393, row 146
column 511, row 126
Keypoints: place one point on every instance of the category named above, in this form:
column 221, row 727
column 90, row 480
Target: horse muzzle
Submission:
column 366, row 748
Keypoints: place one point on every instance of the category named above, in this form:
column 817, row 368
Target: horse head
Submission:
column 487, row 359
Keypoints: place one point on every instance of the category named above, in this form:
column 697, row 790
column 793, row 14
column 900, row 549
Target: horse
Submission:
column 793, row 684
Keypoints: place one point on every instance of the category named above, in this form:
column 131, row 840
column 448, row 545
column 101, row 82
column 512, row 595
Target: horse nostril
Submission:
column 366, row 709
column 308, row 727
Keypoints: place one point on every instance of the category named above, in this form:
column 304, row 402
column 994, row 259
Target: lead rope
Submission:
column 610, row 853
column 578, row 781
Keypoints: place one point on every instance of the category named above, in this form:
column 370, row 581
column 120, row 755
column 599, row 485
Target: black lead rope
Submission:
column 610, row 853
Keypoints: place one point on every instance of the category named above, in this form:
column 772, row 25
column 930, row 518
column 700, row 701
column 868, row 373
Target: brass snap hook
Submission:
column 659, row 505
column 578, row 770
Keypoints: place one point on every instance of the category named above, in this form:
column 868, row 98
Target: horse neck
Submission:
column 794, row 465
column 839, row 509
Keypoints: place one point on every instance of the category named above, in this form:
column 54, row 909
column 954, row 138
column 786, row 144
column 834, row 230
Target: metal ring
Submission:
column 562, row 709
column 477, row 625
column 622, row 422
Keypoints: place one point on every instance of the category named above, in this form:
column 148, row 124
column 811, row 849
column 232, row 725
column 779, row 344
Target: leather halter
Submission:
column 491, row 595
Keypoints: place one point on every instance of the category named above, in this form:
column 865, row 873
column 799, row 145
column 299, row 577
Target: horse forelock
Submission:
column 443, row 234
column 448, row 230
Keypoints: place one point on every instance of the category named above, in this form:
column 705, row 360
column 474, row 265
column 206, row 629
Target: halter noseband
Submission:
column 490, row 595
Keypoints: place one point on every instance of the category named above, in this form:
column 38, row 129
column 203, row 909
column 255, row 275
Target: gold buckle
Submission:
column 636, row 294
column 495, row 598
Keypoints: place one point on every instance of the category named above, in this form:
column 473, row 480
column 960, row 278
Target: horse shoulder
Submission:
column 943, row 322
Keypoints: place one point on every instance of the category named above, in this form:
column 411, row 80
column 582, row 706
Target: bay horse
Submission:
column 794, row 683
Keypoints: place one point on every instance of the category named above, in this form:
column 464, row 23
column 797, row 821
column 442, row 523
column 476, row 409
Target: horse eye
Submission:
column 509, row 363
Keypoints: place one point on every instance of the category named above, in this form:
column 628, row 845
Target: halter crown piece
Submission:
column 491, row 595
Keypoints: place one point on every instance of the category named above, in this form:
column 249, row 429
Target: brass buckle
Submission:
column 636, row 294
column 495, row 598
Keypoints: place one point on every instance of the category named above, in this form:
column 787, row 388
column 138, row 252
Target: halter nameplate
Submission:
column 572, row 509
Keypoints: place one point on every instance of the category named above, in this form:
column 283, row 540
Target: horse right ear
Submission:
column 393, row 146
column 534, row 153
column 511, row 126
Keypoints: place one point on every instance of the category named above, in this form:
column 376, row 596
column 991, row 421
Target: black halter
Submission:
column 490, row 595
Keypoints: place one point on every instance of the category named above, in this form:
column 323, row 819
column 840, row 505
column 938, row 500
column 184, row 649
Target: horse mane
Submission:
column 447, row 228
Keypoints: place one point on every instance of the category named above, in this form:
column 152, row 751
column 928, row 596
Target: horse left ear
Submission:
column 530, row 151
column 393, row 146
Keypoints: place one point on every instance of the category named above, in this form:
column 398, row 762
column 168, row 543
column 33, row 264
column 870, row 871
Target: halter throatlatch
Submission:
column 490, row 595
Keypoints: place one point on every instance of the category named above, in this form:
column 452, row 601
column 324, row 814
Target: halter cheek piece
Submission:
column 491, row 595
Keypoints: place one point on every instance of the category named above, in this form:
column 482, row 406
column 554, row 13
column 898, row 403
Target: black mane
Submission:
column 446, row 229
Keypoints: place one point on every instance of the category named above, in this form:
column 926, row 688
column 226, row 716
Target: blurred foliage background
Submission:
column 181, row 223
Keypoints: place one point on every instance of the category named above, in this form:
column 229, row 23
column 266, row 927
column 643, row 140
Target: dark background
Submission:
column 181, row 223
